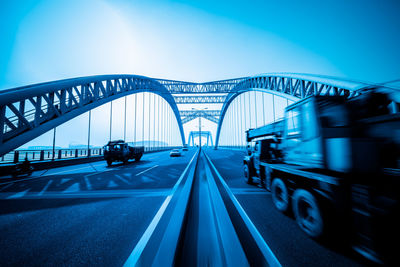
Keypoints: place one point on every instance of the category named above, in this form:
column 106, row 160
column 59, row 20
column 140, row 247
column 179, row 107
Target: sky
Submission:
column 44, row 40
column 198, row 40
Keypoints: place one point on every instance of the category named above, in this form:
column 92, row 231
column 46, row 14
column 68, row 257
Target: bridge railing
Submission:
column 233, row 147
column 59, row 154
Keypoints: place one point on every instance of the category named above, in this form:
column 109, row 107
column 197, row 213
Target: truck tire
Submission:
column 109, row 162
column 307, row 213
column 248, row 177
column 138, row 157
column 280, row 195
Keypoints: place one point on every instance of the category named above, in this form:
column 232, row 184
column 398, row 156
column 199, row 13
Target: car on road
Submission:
column 175, row 153
column 185, row 148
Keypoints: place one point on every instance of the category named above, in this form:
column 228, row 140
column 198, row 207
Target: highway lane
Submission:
column 290, row 245
column 87, row 214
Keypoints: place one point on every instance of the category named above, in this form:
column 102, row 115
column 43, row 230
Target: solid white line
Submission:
column 146, row 170
column 137, row 251
column 123, row 179
column 45, row 188
column 89, row 186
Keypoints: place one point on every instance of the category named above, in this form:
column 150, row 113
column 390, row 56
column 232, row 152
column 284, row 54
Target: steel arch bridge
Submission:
column 57, row 102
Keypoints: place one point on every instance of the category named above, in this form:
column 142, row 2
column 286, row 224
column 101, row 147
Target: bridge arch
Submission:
column 65, row 100
column 292, row 86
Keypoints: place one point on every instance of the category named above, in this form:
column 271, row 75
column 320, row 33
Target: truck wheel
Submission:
column 247, row 174
column 307, row 213
column 280, row 195
column 109, row 162
column 125, row 160
column 137, row 158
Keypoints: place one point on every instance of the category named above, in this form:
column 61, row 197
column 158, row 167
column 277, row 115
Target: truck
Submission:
column 118, row 150
column 333, row 164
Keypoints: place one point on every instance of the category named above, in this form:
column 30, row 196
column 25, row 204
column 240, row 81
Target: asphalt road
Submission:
column 289, row 244
column 87, row 214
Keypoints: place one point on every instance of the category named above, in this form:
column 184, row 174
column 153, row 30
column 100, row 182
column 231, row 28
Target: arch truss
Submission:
column 292, row 87
column 27, row 112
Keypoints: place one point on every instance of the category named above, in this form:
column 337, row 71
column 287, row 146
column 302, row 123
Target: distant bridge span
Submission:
column 57, row 102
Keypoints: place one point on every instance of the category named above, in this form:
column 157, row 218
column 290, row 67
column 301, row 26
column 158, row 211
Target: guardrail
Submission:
column 58, row 154
column 201, row 223
column 241, row 148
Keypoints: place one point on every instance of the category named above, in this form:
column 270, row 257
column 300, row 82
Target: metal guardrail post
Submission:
column 41, row 155
column 16, row 156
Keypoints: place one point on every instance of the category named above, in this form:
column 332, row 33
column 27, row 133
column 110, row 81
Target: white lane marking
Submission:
column 85, row 177
column 249, row 191
column 146, row 170
column 123, row 179
column 7, row 186
column 41, row 176
column 73, row 188
column 87, row 194
column 137, row 251
column 93, row 167
column 30, row 178
column 70, row 170
column 45, row 188
column 19, row 194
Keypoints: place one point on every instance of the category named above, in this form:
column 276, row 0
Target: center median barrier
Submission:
column 201, row 223
column 159, row 243
column 256, row 249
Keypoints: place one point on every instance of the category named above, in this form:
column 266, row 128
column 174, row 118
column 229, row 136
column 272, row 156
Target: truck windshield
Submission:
column 293, row 122
column 310, row 127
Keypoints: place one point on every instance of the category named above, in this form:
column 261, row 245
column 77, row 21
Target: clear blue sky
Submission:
column 44, row 40
column 198, row 40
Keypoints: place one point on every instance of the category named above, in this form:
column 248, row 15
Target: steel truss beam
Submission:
column 200, row 99
column 179, row 87
column 29, row 111
column 188, row 115
column 293, row 87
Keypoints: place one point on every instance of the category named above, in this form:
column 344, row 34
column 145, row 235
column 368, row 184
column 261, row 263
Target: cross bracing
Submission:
column 188, row 115
column 201, row 99
column 27, row 112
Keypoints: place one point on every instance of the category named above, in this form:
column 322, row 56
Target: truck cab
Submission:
column 120, row 151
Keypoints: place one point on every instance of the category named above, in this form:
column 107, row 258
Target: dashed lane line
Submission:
column 146, row 170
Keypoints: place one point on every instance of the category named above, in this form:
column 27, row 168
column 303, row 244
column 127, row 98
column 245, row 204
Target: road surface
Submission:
column 289, row 244
column 87, row 214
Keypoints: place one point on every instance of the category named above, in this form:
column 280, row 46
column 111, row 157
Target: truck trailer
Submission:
column 334, row 164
